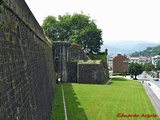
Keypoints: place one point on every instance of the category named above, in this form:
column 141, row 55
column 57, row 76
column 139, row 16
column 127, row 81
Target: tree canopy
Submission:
column 148, row 66
column 76, row 28
column 158, row 65
column 135, row 69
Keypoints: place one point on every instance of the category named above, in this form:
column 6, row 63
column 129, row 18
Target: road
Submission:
column 147, row 77
column 152, row 89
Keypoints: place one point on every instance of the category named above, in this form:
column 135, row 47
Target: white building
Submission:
column 139, row 60
column 155, row 60
column 110, row 64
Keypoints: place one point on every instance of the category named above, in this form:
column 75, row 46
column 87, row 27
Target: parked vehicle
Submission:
column 156, row 79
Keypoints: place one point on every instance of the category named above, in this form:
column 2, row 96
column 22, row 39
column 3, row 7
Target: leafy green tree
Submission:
column 50, row 24
column 148, row 67
column 158, row 65
column 1, row 8
column 135, row 69
column 76, row 28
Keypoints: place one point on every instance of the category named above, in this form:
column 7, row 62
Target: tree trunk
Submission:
column 135, row 77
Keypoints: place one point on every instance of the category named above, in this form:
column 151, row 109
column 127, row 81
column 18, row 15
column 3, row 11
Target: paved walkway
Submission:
column 153, row 95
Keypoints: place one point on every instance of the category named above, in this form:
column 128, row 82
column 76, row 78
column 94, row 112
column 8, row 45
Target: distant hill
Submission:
column 142, row 46
column 127, row 47
column 150, row 51
column 111, row 49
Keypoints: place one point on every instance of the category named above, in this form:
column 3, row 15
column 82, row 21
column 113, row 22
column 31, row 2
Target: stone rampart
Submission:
column 26, row 65
column 90, row 73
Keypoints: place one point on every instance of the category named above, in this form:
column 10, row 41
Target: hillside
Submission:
column 150, row 51
column 126, row 47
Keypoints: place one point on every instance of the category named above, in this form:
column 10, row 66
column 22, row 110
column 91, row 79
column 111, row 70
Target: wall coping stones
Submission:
column 15, row 8
column 89, row 61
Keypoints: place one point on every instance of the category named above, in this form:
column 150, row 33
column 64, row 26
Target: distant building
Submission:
column 110, row 64
column 139, row 60
column 155, row 60
column 120, row 64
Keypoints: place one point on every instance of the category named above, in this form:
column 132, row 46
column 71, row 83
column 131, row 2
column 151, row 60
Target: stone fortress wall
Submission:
column 72, row 64
column 27, row 77
column 30, row 65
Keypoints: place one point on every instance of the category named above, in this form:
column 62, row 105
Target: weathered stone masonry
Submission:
column 60, row 59
column 26, row 65
column 67, row 57
column 90, row 73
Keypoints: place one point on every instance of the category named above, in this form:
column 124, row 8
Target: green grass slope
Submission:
column 58, row 108
column 108, row 102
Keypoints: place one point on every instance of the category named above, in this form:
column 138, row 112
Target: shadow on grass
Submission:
column 114, row 79
column 74, row 109
column 119, row 79
column 57, row 109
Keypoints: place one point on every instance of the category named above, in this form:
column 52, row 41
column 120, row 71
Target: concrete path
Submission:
column 152, row 94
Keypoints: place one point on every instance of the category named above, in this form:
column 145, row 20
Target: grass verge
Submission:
column 58, row 108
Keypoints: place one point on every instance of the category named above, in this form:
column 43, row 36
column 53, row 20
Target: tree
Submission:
column 158, row 65
column 50, row 24
column 76, row 28
column 135, row 69
column 148, row 66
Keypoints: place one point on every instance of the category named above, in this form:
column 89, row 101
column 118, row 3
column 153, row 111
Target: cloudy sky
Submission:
column 119, row 19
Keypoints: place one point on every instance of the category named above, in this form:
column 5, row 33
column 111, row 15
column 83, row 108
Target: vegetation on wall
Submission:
column 100, row 56
column 1, row 8
column 76, row 28
column 89, row 62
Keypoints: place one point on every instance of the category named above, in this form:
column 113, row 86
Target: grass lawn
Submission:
column 105, row 102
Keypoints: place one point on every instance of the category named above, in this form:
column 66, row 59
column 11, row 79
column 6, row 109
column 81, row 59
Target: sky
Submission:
column 119, row 20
